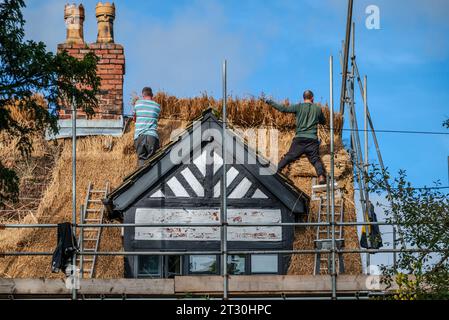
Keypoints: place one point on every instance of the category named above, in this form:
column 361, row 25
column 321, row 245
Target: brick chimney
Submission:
column 111, row 67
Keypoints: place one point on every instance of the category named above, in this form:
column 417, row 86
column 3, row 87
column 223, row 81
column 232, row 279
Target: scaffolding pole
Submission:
column 81, row 243
column 356, row 144
column 365, row 117
column 224, row 216
column 232, row 252
column 365, row 171
column 381, row 162
column 370, row 122
column 193, row 225
column 332, row 187
column 346, row 57
column 73, row 194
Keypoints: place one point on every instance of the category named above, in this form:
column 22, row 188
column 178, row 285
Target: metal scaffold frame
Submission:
column 224, row 252
column 333, row 251
column 360, row 161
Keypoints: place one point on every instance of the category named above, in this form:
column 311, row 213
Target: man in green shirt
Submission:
column 308, row 116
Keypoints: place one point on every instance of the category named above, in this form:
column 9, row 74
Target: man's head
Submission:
column 147, row 93
column 308, row 96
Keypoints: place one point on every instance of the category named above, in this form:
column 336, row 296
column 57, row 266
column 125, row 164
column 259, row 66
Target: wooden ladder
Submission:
column 323, row 239
column 92, row 213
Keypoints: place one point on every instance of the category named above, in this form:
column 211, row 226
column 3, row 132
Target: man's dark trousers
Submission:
column 146, row 145
column 309, row 147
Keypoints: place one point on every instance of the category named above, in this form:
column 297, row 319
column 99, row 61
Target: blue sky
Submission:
column 281, row 48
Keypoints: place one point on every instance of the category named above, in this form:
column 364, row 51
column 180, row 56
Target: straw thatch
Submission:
column 101, row 159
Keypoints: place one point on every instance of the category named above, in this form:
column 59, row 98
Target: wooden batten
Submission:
column 264, row 285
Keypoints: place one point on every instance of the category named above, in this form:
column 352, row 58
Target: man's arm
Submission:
column 321, row 118
column 280, row 107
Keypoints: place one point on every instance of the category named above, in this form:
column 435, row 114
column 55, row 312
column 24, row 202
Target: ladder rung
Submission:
column 324, row 205
column 93, row 210
column 94, row 200
column 89, row 239
column 97, row 191
column 90, row 229
column 323, row 187
column 323, row 215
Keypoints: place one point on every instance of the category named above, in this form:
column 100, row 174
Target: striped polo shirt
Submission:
column 147, row 114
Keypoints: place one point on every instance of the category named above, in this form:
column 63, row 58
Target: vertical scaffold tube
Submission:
column 332, row 191
column 74, row 273
column 224, row 216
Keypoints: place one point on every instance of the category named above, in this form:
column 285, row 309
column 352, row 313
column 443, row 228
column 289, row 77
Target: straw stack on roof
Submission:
column 101, row 159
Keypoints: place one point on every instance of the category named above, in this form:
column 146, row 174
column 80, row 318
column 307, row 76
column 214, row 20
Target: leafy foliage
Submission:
column 422, row 216
column 27, row 68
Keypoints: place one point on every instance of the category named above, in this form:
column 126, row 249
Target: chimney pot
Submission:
column 74, row 20
column 105, row 13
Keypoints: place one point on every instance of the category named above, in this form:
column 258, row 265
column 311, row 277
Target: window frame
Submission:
column 246, row 267
column 278, row 266
column 217, row 261
column 153, row 276
column 165, row 266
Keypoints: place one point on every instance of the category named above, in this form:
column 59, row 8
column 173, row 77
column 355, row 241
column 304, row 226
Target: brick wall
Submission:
column 111, row 70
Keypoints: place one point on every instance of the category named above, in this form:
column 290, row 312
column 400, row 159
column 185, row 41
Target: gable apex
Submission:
column 200, row 153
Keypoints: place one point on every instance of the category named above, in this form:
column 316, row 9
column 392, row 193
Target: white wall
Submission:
column 173, row 216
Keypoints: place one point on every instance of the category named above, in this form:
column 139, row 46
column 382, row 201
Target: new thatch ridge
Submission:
column 241, row 112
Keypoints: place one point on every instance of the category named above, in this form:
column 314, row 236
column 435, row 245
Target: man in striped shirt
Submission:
column 146, row 138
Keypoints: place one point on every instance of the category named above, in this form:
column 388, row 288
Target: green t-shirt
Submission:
column 308, row 116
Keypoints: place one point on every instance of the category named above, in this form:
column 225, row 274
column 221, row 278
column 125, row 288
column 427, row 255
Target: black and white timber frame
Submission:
column 188, row 190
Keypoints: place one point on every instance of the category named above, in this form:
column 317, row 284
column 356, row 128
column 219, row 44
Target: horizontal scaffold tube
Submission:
column 234, row 252
column 161, row 225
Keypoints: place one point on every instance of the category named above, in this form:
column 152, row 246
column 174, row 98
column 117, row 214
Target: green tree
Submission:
column 422, row 216
column 27, row 69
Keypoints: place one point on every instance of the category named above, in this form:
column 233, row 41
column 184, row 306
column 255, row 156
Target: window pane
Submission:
column 236, row 264
column 264, row 263
column 203, row 264
column 149, row 266
column 173, row 266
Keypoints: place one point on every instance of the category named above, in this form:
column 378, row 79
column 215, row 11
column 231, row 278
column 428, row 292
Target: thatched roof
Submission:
column 101, row 159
